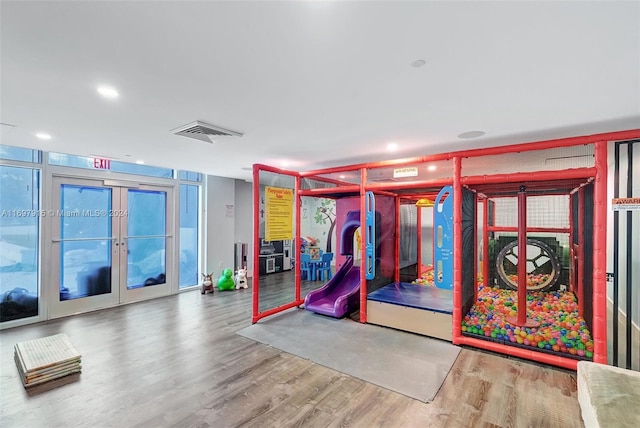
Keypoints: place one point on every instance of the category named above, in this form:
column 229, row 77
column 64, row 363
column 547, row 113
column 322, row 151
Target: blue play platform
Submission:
column 415, row 296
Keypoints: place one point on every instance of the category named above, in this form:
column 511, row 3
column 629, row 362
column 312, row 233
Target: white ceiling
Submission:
column 313, row 83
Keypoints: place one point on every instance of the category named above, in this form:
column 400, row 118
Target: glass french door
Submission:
column 110, row 244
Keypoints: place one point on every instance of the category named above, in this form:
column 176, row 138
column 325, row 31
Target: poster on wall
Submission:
column 279, row 213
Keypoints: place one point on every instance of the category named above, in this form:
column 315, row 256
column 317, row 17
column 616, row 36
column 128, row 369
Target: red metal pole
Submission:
column 419, row 238
column 380, row 164
column 572, row 268
column 255, row 287
column 488, row 151
column 328, row 180
column 268, row 168
column 396, row 243
column 457, row 252
column 384, row 193
column 363, row 247
column 550, row 144
column 418, row 184
column 485, row 244
column 600, row 255
column 475, row 251
column 581, row 270
column 274, row 311
column 529, row 354
column 516, row 177
column 522, row 319
column 522, row 257
column 330, row 190
column 295, row 251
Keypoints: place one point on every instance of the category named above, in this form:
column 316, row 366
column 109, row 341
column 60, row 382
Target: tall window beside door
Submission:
column 189, row 232
column 19, row 234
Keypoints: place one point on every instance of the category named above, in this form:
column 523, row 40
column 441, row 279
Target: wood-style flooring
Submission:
column 178, row 362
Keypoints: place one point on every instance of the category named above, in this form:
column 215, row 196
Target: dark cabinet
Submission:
column 275, row 256
column 271, row 264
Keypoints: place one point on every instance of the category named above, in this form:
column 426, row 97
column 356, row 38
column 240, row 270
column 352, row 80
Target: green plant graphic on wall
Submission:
column 326, row 212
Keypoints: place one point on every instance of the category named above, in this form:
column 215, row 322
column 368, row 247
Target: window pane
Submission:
column 115, row 166
column 19, row 234
column 190, row 176
column 189, row 209
column 146, row 238
column 19, row 154
column 147, row 213
column 83, row 212
column 146, row 263
column 85, row 268
column 85, row 250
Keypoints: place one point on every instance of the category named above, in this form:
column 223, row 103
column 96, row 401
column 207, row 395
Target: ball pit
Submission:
column 426, row 278
column 562, row 330
column 533, row 280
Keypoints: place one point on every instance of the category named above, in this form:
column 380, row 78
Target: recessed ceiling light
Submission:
column 471, row 134
column 43, row 136
column 418, row 63
column 343, row 176
column 108, row 92
column 392, row 147
column 431, row 168
column 140, row 162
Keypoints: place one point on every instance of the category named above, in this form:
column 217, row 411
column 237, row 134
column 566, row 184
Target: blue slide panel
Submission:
column 370, row 248
column 443, row 239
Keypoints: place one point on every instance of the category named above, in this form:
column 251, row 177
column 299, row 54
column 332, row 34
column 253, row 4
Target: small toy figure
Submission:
column 225, row 282
column 207, row 283
column 241, row 279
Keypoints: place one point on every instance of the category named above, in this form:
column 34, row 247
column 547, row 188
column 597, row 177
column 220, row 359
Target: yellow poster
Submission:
column 279, row 214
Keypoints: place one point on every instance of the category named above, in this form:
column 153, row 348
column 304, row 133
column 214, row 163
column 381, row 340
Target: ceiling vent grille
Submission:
column 204, row 131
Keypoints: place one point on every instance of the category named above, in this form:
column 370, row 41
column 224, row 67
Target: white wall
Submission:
column 220, row 224
column 309, row 226
column 243, row 228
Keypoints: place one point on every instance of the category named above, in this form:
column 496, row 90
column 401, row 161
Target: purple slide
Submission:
column 340, row 295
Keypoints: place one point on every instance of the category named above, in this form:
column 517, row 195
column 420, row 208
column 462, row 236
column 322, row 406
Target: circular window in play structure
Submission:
column 543, row 269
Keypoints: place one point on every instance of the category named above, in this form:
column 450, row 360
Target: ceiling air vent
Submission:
column 204, row 131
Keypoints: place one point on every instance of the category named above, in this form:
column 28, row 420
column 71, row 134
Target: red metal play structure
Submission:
column 503, row 233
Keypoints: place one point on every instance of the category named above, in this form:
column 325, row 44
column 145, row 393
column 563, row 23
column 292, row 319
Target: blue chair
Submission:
column 307, row 268
column 325, row 266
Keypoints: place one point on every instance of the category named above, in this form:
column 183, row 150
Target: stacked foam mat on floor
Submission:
column 46, row 359
column 608, row 396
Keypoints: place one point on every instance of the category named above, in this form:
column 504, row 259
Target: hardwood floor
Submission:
column 177, row 362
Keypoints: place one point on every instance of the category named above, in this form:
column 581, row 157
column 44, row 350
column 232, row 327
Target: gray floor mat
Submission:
column 406, row 363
